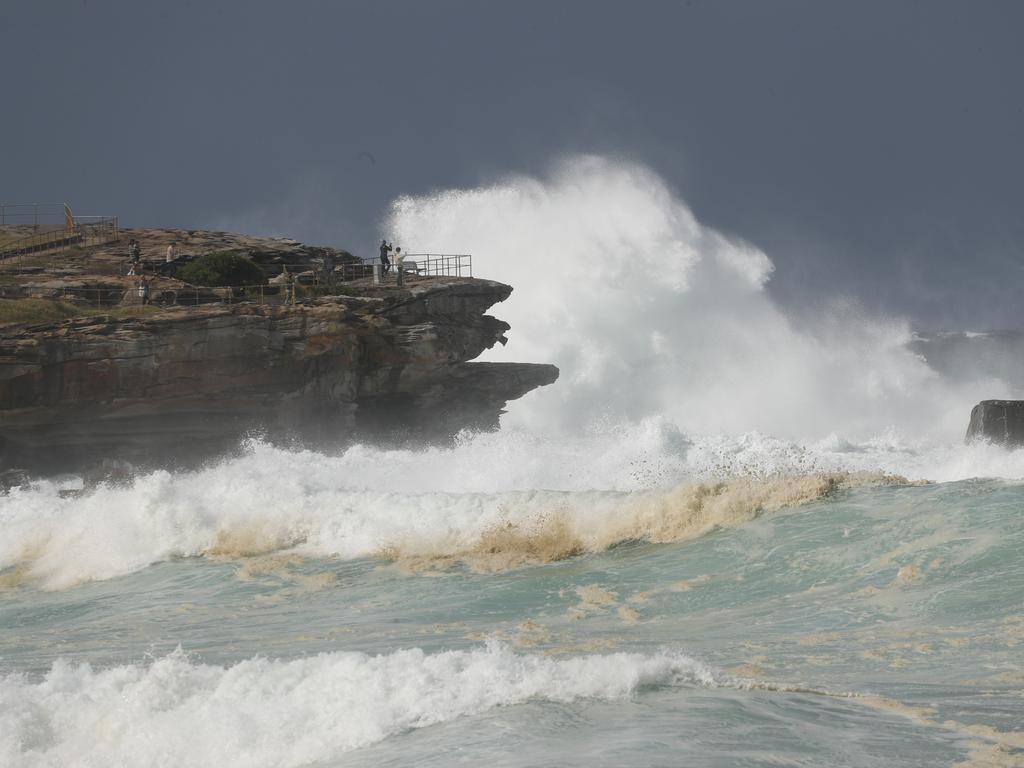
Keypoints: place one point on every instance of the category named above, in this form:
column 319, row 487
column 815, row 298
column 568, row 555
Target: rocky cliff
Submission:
column 187, row 382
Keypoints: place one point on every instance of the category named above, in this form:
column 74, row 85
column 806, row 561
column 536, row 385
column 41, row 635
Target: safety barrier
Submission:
column 33, row 214
column 422, row 265
column 54, row 229
column 309, row 283
column 439, row 264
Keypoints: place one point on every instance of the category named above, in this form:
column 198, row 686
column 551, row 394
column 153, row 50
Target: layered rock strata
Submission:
column 185, row 383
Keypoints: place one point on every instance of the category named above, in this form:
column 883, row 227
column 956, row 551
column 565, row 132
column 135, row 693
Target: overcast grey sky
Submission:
column 870, row 148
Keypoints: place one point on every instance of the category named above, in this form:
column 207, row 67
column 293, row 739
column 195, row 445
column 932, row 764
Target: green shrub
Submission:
column 222, row 268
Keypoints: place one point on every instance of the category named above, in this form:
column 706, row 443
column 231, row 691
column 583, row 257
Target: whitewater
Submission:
column 728, row 535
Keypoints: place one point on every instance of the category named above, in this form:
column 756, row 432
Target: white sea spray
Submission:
column 261, row 712
column 647, row 311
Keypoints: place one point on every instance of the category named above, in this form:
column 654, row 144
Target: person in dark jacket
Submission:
column 385, row 249
column 134, row 258
column 329, row 270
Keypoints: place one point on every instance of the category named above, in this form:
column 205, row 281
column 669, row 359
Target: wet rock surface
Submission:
column 998, row 421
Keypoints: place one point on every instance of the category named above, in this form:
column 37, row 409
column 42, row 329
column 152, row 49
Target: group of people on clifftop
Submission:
column 135, row 267
column 385, row 262
column 135, row 256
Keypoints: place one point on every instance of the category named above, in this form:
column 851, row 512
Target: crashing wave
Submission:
column 263, row 712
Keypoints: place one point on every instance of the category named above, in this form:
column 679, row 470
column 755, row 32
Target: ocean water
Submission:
column 723, row 538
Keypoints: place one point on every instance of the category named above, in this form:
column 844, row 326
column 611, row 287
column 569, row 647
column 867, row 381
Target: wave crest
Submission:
column 685, row 512
column 56, row 542
column 263, row 712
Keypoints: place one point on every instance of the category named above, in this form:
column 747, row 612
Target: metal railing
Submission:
column 439, row 264
column 144, row 292
column 415, row 264
column 109, row 296
column 351, row 271
column 54, row 228
column 87, row 230
column 35, row 214
column 181, row 296
column 423, row 265
column 15, row 251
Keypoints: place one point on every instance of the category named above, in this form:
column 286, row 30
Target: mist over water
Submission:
column 649, row 313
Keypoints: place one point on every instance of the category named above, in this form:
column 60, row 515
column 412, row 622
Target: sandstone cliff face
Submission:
column 187, row 382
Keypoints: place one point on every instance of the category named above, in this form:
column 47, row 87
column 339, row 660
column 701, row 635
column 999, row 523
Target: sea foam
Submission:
column 493, row 501
column 260, row 712
column 277, row 501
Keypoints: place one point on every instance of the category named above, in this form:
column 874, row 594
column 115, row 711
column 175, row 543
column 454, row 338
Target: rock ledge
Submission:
column 186, row 383
column 998, row 421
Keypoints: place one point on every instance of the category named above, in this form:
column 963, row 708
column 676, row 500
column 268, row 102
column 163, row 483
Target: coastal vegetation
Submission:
column 46, row 310
column 222, row 268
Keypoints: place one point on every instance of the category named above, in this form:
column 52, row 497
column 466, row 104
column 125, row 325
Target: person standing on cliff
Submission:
column 289, row 286
column 171, row 251
column 385, row 249
column 399, row 265
column 144, row 291
column 329, row 270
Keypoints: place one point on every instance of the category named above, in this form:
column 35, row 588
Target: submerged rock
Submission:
column 186, row 383
column 998, row 421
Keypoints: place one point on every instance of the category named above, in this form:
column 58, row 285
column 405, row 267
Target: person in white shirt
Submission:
column 171, row 251
column 399, row 267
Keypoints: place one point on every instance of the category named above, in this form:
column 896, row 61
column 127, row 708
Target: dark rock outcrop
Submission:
column 998, row 421
column 185, row 383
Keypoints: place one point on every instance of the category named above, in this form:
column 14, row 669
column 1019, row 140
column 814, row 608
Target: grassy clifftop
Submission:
column 81, row 281
column 45, row 310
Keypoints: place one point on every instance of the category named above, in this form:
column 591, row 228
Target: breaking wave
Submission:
column 273, row 500
column 493, row 501
column 263, row 712
column 649, row 313
column 592, row 523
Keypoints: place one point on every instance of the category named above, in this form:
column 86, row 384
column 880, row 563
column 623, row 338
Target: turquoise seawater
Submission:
column 878, row 626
